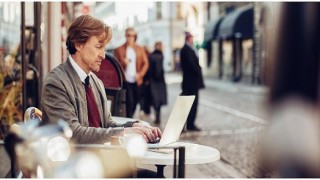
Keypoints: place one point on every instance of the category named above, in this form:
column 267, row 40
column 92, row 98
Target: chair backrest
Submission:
column 112, row 76
column 110, row 73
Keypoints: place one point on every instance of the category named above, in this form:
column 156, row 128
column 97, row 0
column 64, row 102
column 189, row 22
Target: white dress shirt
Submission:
column 79, row 70
column 131, row 70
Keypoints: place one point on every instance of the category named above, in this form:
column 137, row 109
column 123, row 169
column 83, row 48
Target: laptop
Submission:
column 176, row 121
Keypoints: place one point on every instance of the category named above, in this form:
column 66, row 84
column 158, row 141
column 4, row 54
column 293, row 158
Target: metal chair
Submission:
column 113, row 79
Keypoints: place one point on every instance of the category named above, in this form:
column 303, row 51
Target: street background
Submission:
column 232, row 117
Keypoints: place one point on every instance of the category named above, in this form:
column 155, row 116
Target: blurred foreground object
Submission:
column 45, row 152
column 30, row 145
column 291, row 143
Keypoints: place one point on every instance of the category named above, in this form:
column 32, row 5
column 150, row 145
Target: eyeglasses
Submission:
column 130, row 35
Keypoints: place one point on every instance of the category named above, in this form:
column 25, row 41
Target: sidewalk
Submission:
column 210, row 81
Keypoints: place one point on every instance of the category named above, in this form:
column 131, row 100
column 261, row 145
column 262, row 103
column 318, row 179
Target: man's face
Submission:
column 130, row 36
column 92, row 53
column 190, row 39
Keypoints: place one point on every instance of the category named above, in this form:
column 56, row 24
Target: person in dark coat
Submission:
column 145, row 97
column 157, row 82
column 192, row 78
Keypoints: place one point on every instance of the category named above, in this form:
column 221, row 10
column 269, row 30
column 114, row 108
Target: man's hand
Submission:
column 149, row 133
column 138, row 76
column 139, row 79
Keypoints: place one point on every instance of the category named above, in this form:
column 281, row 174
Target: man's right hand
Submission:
column 147, row 133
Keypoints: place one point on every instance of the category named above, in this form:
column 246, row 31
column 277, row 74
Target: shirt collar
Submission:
column 78, row 69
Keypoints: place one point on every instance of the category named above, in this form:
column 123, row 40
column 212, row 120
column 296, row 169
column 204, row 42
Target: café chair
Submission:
column 112, row 76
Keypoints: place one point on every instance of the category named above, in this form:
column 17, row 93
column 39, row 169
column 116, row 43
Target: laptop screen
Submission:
column 177, row 119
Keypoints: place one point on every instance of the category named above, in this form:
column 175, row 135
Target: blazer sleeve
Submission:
column 119, row 57
column 145, row 63
column 57, row 104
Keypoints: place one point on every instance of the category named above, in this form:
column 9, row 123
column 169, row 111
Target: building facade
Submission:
column 234, row 39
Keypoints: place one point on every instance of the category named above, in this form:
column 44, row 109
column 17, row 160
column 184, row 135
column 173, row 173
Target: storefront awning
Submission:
column 238, row 23
column 212, row 29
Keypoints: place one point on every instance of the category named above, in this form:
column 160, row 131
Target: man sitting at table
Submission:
column 73, row 93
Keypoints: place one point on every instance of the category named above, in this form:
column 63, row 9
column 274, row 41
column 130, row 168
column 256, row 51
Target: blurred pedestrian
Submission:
column 192, row 77
column 133, row 60
column 157, row 82
column 145, row 96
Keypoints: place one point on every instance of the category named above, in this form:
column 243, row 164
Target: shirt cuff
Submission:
column 130, row 123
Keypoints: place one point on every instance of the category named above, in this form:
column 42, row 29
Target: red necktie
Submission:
column 93, row 111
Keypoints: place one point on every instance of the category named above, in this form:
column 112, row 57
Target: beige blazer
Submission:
column 142, row 63
column 64, row 97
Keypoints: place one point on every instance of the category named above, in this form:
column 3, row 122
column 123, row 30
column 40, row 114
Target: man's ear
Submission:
column 78, row 46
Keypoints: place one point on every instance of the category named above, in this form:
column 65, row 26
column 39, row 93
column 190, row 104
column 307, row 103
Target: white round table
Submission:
column 194, row 154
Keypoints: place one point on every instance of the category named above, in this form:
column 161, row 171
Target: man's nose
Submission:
column 102, row 54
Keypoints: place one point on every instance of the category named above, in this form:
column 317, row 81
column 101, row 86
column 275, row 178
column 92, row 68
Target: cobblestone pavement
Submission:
column 232, row 117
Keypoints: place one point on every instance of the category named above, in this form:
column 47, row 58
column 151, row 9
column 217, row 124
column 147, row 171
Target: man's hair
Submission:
column 131, row 29
column 158, row 46
column 188, row 35
column 84, row 27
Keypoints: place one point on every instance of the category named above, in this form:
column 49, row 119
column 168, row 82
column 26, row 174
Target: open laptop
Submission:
column 176, row 121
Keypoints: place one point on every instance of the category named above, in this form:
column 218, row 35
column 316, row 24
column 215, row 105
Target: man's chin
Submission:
column 96, row 70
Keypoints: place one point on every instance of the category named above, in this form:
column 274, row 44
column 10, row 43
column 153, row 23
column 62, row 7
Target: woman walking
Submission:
column 157, row 82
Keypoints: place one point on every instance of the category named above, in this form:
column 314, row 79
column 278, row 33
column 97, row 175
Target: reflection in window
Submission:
column 159, row 10
column 179, row 11
column 6, row 12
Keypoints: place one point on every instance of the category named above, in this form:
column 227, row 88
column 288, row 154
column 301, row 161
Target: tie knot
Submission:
column 87, row 81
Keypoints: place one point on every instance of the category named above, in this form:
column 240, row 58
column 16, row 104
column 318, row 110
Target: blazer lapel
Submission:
column 136, row 50
column 80, row 95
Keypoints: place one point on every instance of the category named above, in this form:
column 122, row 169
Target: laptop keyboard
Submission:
column 154, row 142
